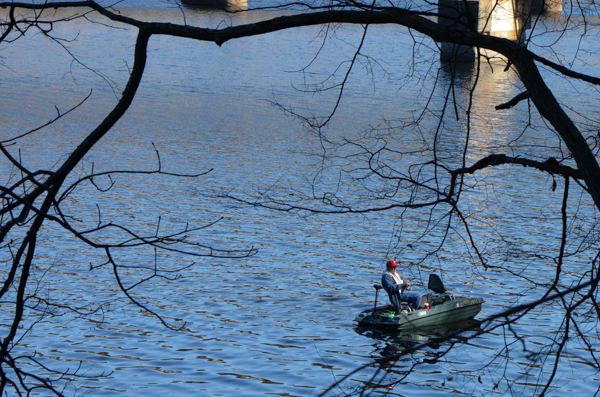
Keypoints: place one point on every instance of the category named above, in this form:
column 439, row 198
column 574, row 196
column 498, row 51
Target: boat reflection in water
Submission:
column 227, row 5
column 429, row 343
column 434, row 337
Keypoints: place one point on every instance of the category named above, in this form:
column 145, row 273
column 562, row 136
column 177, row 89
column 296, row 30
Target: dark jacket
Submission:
column 389, row 284
column 396, row 292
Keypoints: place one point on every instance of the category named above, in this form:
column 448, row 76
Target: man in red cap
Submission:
column 396, row 288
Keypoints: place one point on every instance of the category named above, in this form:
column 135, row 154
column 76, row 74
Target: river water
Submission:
column 279, row 322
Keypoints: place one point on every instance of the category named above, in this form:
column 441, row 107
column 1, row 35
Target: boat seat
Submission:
column 436, row 285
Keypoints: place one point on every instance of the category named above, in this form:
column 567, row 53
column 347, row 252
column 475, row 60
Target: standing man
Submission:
column 395, row 287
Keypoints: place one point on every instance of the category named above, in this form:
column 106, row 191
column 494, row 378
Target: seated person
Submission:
column 395, row 287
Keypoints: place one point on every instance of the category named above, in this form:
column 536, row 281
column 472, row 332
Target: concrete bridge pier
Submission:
column 500, row 18
column 450, row 11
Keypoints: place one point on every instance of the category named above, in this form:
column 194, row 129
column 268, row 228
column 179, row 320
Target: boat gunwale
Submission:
column 413, row 318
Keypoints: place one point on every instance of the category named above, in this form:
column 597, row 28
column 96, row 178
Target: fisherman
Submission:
column 396, row 288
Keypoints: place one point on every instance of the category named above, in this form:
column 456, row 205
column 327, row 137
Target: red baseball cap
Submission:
column 392, row 263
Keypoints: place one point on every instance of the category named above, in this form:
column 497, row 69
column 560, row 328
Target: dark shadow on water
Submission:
column 392, row 343
column 396, row 355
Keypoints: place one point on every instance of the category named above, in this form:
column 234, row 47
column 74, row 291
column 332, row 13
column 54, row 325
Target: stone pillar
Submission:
column 546, row 6
column 450, row 12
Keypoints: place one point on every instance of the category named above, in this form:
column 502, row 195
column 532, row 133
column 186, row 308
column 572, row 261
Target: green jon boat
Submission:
column 440, row 308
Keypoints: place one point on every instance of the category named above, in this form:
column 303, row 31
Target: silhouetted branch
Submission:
column 513, row 102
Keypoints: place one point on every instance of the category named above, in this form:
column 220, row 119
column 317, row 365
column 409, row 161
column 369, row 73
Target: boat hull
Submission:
column 446, row 312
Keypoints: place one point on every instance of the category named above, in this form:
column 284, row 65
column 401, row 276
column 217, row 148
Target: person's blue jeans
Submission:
column 413, row 299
